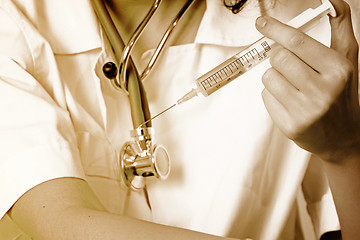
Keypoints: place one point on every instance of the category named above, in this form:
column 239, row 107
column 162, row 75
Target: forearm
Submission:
column 344, row 179
column 66, row 208
column 91, row 224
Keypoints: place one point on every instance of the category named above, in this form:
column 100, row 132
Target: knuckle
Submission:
column 346, row 9
column 342, row 71
column 321, row 104
column 347, row 69
column 265, row 95
column 280, row 57
column 297, row 40
column 352, row 49
column 355, row 46
column 304, row 115
column 348, row 47
column 291, row 130
column 319, row 108
column 270, row 80
column 268, row 75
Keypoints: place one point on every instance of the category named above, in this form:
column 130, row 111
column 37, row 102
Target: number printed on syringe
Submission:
column 255, row 54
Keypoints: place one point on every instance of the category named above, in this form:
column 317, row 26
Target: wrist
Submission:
column 342, row 153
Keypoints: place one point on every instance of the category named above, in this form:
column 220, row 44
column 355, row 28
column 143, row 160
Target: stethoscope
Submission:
column 140, row 158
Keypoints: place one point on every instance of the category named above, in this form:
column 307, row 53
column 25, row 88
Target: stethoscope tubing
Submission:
column 137, row 97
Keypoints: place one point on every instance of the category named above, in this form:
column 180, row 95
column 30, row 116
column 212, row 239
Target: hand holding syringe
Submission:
column 250, row 57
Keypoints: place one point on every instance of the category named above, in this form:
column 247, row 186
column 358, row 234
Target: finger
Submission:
column 281, row 89
column 295, row 70
column 278, row 113
column 302, row 45
column 342, row 33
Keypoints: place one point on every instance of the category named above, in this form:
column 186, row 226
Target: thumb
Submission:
column 342, row 34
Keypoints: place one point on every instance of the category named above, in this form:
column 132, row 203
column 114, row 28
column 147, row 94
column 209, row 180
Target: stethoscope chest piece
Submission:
column 140, row 159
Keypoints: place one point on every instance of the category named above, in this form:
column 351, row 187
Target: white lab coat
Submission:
column 233, row 172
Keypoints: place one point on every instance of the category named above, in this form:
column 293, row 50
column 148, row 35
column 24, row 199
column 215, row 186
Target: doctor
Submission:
column 63, row 124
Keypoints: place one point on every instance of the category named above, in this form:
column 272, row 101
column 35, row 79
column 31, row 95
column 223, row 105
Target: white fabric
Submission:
column 233, row 172
column 37, row 138
column 319, row 198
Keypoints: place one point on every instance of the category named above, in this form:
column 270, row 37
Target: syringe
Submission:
column 256, row 53
column 245, row 60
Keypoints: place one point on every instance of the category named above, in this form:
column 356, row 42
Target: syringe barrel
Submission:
column 235, row 66
column 256, row 52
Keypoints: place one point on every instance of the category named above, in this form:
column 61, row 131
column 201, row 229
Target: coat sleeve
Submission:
column 37, row 139
column 318, row 196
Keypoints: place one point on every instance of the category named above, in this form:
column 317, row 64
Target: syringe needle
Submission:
column 193, row 93
column 163, row 111
column 157, row 115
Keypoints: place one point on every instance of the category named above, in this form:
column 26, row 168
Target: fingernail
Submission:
column 261, row 22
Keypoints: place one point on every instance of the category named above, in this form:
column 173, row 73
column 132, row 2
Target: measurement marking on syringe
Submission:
column 220, row 76
column 249, row 57
column 203, row 83
column 233, row 64
column 212, row 81
column 223, row 74
column 217, row 75
column 228, row 68
column 238, row 61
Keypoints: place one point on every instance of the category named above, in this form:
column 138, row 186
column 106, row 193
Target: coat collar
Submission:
column 221, row 27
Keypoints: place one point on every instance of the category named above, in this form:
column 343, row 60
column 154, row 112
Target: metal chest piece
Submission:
column 140, row 159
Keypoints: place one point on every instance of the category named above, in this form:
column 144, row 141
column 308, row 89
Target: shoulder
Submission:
column 68, row 26
column 19, row 39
